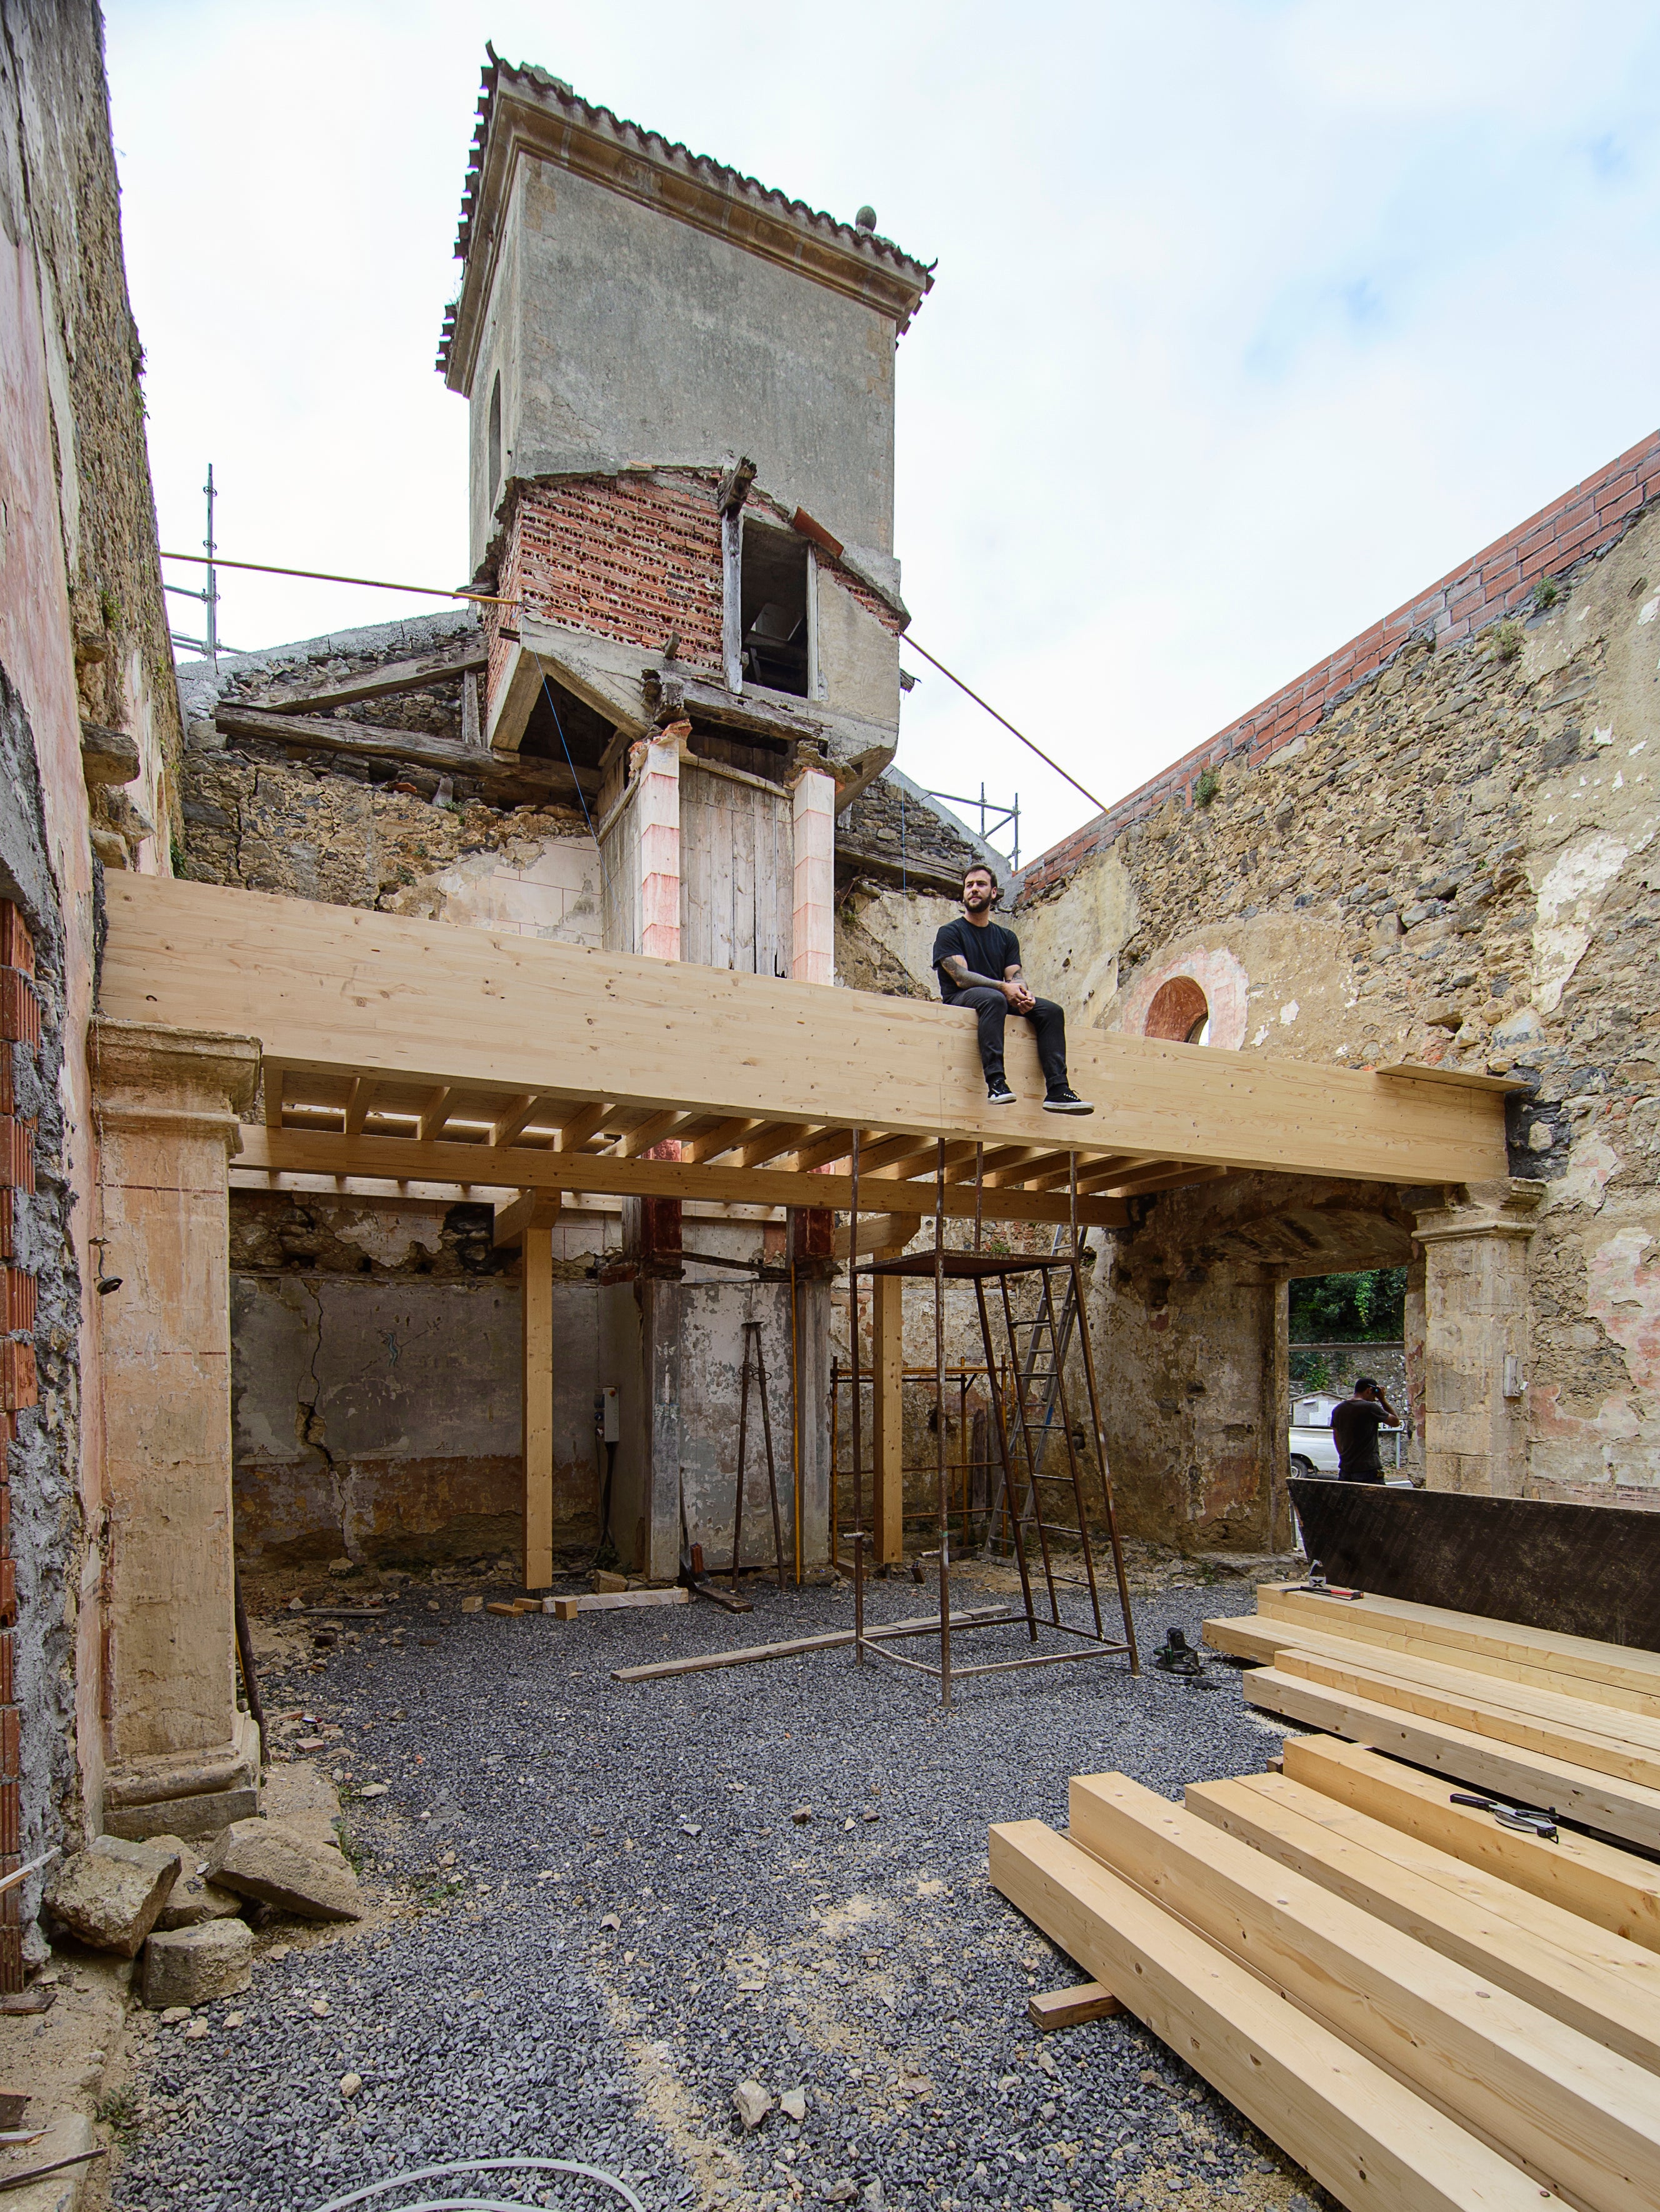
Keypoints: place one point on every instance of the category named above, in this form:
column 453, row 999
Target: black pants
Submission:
column 1046, row 1018
column 1359, row 1473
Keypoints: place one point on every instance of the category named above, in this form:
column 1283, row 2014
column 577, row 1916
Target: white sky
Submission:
column 1251, row 319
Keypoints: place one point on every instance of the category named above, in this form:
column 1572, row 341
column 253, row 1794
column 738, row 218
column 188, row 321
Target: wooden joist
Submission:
column 1627, row 1809
column 1581, row 2117
column 1363, row 2134
column 349, row 991
column 1465, row 1638
column 1624, row 1745
column 447, row 755
column 1595, row 1881
column 571, row 1608
column 383, row 683
column 1605, row 1988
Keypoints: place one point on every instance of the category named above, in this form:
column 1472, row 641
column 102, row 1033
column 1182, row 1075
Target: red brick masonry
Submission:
column 1495, row 583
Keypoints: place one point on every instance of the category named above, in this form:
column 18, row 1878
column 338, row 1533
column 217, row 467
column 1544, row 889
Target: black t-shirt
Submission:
column 989, row 952
column 1354, row 1427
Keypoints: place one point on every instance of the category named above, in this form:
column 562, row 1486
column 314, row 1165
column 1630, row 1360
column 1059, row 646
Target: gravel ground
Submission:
column 607, row 1918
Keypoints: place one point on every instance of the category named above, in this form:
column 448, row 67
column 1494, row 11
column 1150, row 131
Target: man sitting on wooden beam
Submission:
column 978, row 963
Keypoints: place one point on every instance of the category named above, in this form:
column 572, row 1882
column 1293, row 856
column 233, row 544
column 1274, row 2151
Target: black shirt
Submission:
column 1354, row 1427
column 989, row 952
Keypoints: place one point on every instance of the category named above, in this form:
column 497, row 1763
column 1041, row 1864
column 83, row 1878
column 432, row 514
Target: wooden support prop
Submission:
column 1596, row 1801
column 1607, row 1989
column 1586, row 1666
column 568, row 1609
column 304, row 1151
column 750, row 1654
column 1364, row 2135
column 383, row 683
column 1625, row 1744
column 1575, row 2114
column 1594, row 1881
column 537, row 1297
column 532, row 1209
column 1073, row 2008
column 447, row 756
column 352, row 990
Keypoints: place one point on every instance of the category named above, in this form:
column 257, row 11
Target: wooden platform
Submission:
column 1490, row 1996
column 398, row 1050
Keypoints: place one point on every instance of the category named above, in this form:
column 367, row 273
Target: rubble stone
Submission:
column 266, row 1860
column 111, row 1894
column 194, row 1965
column 752, row 2102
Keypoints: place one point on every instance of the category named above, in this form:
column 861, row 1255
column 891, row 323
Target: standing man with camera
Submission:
column 978, row 963
column 1354, row 1427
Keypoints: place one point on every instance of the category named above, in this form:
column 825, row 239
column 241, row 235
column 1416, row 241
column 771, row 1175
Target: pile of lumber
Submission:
column 1424, row 2006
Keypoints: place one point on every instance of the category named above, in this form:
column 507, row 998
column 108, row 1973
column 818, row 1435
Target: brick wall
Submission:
column 627, row 557
column 20, row 1025
column 1498, row 582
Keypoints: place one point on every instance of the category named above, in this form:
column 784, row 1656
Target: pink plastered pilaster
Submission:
column 812, row 936
column 659, row 806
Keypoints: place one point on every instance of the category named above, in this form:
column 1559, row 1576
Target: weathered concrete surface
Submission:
column 167, row 1102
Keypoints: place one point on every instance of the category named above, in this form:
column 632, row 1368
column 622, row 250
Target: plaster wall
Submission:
column 633, row 339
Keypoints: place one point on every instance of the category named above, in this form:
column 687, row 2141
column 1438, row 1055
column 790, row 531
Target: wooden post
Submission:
column 888, row 1374
column 538, row 1403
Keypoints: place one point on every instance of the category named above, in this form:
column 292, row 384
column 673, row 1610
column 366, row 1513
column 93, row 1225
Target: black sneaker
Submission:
column 1063, row 1099
column 998, row 1093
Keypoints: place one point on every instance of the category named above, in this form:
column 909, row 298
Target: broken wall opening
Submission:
column 774, row 589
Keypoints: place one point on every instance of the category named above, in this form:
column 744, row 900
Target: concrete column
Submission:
column 658, row 807
column 812, row 937
column 165, row 1103
column 1476, row 1336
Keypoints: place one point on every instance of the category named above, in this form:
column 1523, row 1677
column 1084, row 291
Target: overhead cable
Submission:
column 1004, row 720
column 325, row 576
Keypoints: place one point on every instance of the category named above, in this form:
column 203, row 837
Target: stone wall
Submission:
column 1452, row 861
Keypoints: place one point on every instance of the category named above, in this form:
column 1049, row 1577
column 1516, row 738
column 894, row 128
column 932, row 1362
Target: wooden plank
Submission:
column 1620, row 1666
column 509, row 1125
column 1596, row 1801
column 1533, row 1719
column 536, row 1296
column 833, row 1145
column 1073, row 2008
column 725, row 1137
column 383, row 683
column 768, row 1143
column 794, row 1647
column 317, row 1153
column 354, row 991
column 1363, row 2134
column 1594, row 1881
column 568, row 1608
column 584, row 1125
column 433, row 1114
column 447, row 756
column 1607, row 1989
column 655, row 1129
column 274, row 1080
column 359, row 1100
column 1259, row 1636
column 887, row 1415
column 1578, row 2115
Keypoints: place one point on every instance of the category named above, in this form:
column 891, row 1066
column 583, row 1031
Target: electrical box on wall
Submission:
column 607, row 1417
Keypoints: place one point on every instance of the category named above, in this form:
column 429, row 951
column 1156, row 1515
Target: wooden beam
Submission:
column 1586, row 1666
column 509, row 1125
column 1522, row 1776
column 1163, row 1177
column 382, row 682
column 571, row 1609
column 725, row 1137
column 1073, row 2008
column 1563, row 2107
column 655, row 1129
column 795, row 1647
column 317, row 1153
column 359, row 1100
column 768, row 1143
column 274, row 1080
column 1363, row 2134
column 1607, row 1989
column 536, row 1304
column 1614, row 1890
column 1625, row 1744
column 433, row 1114
column 351, row 991
column 447, row 755
column 833, row 1145
column 530, row 1209
column 878, row 1233
column 583, row 1125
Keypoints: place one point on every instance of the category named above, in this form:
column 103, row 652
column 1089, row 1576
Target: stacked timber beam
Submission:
column 398, row 1049
column 1425, row 2003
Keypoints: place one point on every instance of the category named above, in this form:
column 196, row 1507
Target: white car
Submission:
column 1313, row 1450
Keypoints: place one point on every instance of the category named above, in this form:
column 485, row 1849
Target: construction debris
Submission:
column 194, row 1965
column 111, row 1894
column 262, row 1860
